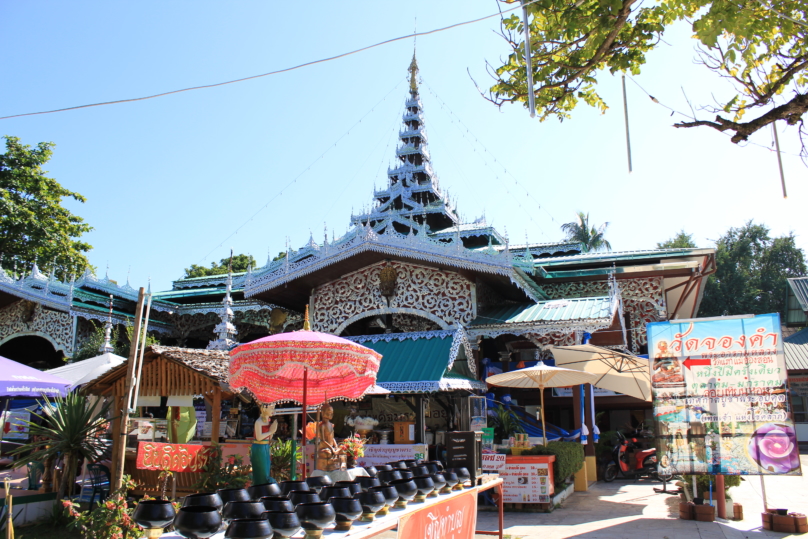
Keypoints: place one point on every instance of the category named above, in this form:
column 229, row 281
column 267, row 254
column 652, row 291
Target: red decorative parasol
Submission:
column 305, row 366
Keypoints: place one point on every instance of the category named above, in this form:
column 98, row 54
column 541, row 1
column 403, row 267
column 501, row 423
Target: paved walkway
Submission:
column 629, row 510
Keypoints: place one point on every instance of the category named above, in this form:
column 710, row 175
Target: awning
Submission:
column 423, row 362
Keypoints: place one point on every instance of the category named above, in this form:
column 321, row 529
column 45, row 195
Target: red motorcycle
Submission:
column 631, row 461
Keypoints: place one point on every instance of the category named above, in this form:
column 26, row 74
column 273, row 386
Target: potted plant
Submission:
column 353, row 447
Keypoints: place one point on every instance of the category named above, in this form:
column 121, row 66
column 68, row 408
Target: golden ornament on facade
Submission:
column 388, row 278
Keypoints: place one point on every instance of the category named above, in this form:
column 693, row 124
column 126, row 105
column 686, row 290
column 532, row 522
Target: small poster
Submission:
column 493, row 462
column 527, row 483
column 15, row 426
column 382, row 454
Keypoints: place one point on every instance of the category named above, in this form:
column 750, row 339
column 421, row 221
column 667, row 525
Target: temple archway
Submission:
column 36, row 351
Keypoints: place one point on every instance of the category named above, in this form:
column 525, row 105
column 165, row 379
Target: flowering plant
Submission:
column 112, row 519
column 353, row 446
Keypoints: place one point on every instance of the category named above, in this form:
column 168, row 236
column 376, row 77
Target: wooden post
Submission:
column 216, row 412
column 120, row 457
column 117, row 439
column 420, row 420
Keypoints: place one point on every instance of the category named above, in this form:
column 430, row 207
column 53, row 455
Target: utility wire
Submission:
column 284, row 70
column 265, row 206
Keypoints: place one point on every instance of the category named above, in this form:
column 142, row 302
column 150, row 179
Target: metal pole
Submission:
column 779, row 161
column 120, row 456
column 625, row 115
column 531, row 100
column 139, row 365
column 763, row 490
column 305, row 406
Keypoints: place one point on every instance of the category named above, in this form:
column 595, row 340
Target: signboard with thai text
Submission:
column 173, row 457
column 453, row 518
column 15, row 425
column 382, row 454
column 527, row 483
column 720, row 401
column 493, row 462
column 798, row 385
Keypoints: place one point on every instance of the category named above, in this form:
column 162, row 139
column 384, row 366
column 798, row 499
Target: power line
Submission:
column 265, row 206
column 284, row 70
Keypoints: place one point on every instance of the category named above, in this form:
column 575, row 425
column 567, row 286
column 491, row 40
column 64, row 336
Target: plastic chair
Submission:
column 99, row 482
column 35, row 471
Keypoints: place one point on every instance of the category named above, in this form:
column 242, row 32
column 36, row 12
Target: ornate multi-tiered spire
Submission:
column 226, row 330
column 412, row 200
column 107, row 348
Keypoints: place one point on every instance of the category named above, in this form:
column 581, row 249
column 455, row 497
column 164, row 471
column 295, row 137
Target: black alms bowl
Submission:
column 371, row 470
column 348, row 510
column 234, row 495
column 209, row 499
column 197, row 521
column 277, row 503
column 316, row 516
column 389, row 492
column 372, row 501
column 289, row 486
column 420, row 470
column 387, row 476
column 383, row 468
column 451, row 478
column 406, row 488
column 248, row 528
column 369, row 482
column 353, row 486
column 266, row 489
column 284, row 523
column 425, row 485
column 317, row 483
column 303, row 496
column 154, row 514
column 439, row 480
column 329, row 492
column 234, row 510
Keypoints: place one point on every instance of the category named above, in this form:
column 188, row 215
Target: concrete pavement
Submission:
column 629, row 510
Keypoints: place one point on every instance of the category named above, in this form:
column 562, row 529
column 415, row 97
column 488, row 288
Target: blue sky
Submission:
column 169, row 180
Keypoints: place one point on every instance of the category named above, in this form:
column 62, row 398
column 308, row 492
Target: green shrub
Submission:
column 569, row 458
column 703, row 483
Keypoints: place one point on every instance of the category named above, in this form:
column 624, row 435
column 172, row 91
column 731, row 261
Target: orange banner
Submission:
column 455, row 518
column 173, row 457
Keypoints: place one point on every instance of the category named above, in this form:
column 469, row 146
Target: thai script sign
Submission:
column 720, row 399
column 798, row 385
column 454, row 518
column 493, row 462
column 173, row 457
column 527, row 483
column 15, row 425
column 382, row 454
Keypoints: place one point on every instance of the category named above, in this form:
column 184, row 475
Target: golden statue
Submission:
column 327, row 449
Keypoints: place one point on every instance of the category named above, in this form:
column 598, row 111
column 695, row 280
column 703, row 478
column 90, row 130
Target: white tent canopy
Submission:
column 81, row 372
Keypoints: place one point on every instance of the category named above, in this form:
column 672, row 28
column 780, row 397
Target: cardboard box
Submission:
column 404, row 432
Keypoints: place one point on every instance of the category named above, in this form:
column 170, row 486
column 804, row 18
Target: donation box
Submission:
column 465, row 449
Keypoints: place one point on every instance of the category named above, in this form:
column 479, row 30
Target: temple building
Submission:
column 444, row 301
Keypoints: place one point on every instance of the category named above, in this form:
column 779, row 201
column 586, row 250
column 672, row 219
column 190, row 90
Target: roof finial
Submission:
column 107, row 348
column 225, row 329
column 306, row 324
column 413, row 69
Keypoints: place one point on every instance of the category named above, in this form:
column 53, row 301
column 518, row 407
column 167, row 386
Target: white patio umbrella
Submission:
column 623, row 373
column 539, row 377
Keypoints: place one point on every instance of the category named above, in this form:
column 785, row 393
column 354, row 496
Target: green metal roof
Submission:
column 796, row 350
column 193, row 292
column 558, row 310
column 419, row 362
column 412, row 360
column 609, row 256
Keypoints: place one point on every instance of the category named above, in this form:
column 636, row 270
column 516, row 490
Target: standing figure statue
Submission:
column 259, row 455
column 327, row 448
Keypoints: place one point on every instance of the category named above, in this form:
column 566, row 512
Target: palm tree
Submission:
column 590, row 238
column 69, row 427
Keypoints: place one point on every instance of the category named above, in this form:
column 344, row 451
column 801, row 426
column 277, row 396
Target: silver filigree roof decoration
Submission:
column 107, row 347
column 226, row 330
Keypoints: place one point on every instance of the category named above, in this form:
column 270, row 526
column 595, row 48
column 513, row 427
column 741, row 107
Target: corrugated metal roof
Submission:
column 796, row 350
column 412, row 360
column 621, row 255
column 558, row 310
column 800, row 287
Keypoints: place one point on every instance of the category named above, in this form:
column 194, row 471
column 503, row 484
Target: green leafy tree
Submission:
column 68, row 427
column 240, row 265
column 681, row 240
column 759, row 46
column 121, row 342
column 592, row 239
column 33, row 223
column 751, row 272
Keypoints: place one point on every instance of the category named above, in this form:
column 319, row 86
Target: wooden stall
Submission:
column 167, row 371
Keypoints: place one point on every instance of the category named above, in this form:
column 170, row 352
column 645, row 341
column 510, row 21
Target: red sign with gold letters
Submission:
column 455, row 518
column 173, row 457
